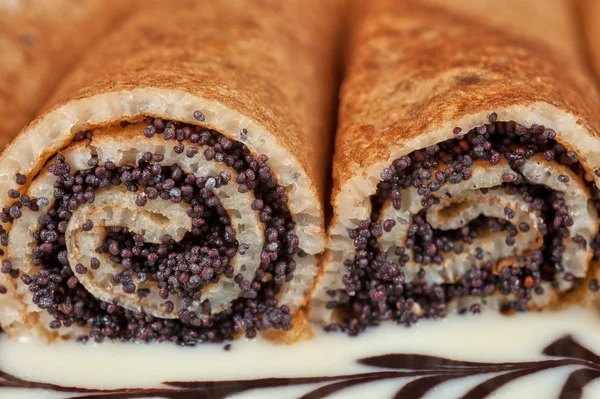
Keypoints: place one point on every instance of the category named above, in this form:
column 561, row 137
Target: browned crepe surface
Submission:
column 589, row 11
column 274, row 72
column 39, row 41
column 438, row 65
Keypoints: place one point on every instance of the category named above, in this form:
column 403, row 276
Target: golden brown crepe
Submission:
column 215, row 124
column 39, row 41
column 589, row 12
column 461, row 126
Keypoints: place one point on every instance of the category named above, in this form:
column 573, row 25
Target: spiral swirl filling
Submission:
column 177, row 233
column 502, row 216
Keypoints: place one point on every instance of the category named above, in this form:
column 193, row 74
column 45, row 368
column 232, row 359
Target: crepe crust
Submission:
column 589, row 12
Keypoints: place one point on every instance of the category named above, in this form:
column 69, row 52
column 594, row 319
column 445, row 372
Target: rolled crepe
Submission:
column 465, row 170
column 174, row 190
column 39, row 41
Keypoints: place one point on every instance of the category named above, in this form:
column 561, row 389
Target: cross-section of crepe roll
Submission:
column 174, row 190
column 39, row 41
column 465, row 167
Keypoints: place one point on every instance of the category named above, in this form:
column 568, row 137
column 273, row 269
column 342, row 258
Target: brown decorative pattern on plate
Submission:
column 427, row 372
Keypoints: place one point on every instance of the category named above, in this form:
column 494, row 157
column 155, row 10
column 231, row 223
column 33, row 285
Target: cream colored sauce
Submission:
column 488, row 337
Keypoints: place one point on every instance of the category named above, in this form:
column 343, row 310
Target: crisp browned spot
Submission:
column 468, row 79
column 367, row 131
column 406, row 85
column 27, row 39
column 153, row 35
column 219, row 45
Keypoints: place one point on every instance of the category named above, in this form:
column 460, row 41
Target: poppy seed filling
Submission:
column 182, row 268
column 376, row 287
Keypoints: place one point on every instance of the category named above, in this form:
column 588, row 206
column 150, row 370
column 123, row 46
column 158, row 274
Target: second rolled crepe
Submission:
column 466, row 166
column 174, row 190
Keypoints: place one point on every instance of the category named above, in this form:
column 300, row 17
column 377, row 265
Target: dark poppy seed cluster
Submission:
column 375, row 285
column 181, row 268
